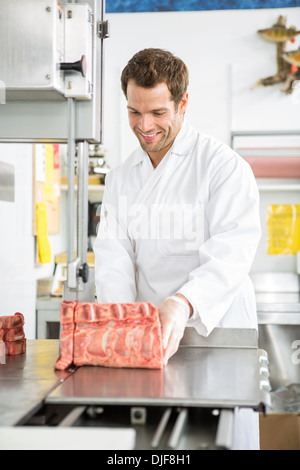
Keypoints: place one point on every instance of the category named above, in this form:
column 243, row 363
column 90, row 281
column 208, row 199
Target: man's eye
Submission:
column 159, row 114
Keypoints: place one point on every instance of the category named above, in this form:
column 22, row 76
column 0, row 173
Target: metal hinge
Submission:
column 103, row 29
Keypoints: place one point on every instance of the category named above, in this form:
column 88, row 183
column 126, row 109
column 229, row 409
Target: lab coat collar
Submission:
column 182, row 146
column 185, row 140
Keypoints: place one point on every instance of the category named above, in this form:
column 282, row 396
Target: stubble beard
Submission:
column 152, row 146
column 165, row 139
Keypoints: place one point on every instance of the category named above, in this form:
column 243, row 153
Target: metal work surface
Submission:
column 222, row 338
column 279, row 313
column 187, row 405
column 25, row 380
column 194, row 376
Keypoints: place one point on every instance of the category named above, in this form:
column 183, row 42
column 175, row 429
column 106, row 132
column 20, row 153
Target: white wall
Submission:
column 225, row 56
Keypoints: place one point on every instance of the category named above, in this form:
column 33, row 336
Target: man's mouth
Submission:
column 149, row 137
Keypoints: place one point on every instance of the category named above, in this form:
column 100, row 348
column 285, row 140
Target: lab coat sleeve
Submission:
column 226, row 256
column 114, row 257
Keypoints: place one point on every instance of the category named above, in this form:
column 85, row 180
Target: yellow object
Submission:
column 283, row 229
column 44, row 248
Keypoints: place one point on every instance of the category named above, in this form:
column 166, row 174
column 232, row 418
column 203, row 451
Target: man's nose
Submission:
column 146, row 122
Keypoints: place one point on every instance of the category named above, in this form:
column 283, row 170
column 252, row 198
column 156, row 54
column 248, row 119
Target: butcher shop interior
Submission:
column 116, row 334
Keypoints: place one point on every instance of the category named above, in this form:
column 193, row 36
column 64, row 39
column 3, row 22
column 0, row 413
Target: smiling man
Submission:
column 154, row 117
column 198, row 200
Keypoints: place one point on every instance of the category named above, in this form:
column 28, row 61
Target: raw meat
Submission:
column 12, row 333
column 14, row 348
column 66, row 336
column 110, row 335
column 12, row 321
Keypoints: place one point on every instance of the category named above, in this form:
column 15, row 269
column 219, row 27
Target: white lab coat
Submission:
column 140, row 257
column 189, row 226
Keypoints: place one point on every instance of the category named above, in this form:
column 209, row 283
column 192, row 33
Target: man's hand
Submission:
column 173, row 317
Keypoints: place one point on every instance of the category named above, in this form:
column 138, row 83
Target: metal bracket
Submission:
column 76, row 270
column 179, row 428
column 73, row 268
column 224, row 438
column 73, row 416
column 103, row 29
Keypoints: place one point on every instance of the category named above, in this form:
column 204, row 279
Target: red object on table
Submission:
column 12, row 333
column 110, row 335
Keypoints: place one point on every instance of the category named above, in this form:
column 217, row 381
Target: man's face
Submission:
column 153, row 118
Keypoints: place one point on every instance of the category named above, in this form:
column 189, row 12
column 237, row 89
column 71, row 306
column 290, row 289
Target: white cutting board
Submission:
column 64, row 438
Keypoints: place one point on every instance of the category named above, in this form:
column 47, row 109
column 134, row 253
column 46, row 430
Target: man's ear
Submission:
column 183, row 103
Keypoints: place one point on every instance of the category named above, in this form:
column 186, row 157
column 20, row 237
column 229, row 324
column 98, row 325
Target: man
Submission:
column 180, row 217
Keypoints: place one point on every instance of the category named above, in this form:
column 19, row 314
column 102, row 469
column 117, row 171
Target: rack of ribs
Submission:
column 110, row 335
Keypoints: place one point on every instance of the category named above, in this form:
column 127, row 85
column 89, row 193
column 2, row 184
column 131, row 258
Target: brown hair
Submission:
column 150, row 67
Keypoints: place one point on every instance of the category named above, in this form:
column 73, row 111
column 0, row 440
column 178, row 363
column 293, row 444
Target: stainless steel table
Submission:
column 26, row 380
column 198, row 389
column 224, row 370
column 220, row 377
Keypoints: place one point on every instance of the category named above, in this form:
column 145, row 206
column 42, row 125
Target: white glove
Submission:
column 174, row 315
